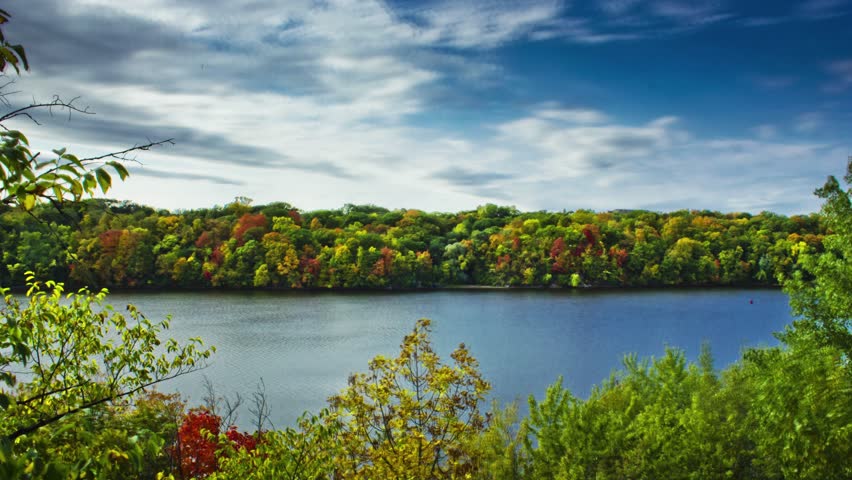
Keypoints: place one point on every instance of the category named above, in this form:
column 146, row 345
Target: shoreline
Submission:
column 390, row 290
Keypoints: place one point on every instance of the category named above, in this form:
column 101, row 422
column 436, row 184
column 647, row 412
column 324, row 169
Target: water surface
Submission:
column 304, row 345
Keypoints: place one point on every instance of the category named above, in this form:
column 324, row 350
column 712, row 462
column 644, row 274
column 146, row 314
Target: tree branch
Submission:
column 56, row 103
column 93, row 403
column 122, row 154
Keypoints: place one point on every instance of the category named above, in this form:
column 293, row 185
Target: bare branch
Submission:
column 3, row 95
column 213, row 401
column 260, row 410
column 122, row 155
column 56, row 103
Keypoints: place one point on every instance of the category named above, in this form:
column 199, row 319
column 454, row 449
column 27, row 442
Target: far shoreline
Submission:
column 20, row 289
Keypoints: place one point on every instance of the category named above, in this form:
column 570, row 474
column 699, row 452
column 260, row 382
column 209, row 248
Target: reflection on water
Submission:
column 305, row 345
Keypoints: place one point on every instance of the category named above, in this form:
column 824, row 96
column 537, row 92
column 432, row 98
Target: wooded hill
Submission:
column 106, row 243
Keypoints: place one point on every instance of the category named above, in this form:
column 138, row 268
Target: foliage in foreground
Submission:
column 820, row 291
column 411, row 415
column 121, row 440
column 68, row 363
column 782, row 412
column 779, row 413
column 74, row 353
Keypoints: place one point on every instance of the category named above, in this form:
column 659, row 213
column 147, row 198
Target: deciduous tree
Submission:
column 411, row 416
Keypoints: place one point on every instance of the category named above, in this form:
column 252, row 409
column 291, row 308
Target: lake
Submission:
column 304, row 345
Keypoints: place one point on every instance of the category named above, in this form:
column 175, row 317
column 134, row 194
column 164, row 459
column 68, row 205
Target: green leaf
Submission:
column 119, row 169
column 76, row 189
column 73, row 159
column 89, row 183
column 28, row 174
column 23, row 56
column 104, row 180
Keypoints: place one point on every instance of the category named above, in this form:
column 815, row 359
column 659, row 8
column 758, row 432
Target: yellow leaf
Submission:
column 29, row 202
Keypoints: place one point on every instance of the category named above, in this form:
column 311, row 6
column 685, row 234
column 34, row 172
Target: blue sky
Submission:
column 657, row 104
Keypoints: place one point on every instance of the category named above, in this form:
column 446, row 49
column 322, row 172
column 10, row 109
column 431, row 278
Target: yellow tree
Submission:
column 412, row 416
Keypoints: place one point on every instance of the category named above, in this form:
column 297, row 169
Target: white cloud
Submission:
column 572, row 115
column 466, row 24
column 551, row 158
column 686, row 10
column 773, row 82
column 765, row 131
column 808, row 122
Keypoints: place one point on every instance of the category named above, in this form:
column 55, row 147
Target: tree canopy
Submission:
column 820, row 290
column 102, row 243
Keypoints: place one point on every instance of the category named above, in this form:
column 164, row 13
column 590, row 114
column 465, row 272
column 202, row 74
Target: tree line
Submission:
column 105, row 243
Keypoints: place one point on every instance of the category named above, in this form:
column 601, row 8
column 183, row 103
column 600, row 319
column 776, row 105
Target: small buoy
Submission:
column 751, row 302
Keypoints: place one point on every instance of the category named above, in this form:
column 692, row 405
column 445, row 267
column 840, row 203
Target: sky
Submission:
column 446, row 105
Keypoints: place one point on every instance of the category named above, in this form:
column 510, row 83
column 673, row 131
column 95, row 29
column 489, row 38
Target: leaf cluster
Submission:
column 26, row 179
column 11, row 54
column 65, row 353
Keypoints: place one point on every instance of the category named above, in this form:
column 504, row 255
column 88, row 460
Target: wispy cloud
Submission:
column 657, row 164
column 618, row 7
column 466, row 24
column 773, row 82
column 689, row 12
column 808, row 122
column 841, row 76
column 822, row 9
column 571, row 115
column 765, row 131
column 464, row 177
column 806, row 11
column 181, row 176
column 579, row 30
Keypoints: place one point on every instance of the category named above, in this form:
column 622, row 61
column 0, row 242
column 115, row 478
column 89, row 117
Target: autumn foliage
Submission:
column 246, row 223
column 199, row 440
column 411, row 416
column 371, row 247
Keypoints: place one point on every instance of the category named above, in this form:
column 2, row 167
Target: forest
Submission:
column 106, row 243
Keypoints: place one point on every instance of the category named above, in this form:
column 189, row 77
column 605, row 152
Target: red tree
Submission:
column 196, row 448
column 198, row 441
column 246, row 223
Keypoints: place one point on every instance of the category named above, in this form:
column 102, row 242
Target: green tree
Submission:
column 78, row 353
column 799, row 421
column 821, row 291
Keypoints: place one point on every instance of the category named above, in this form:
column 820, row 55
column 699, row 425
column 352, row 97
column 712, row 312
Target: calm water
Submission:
column 305, row 345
